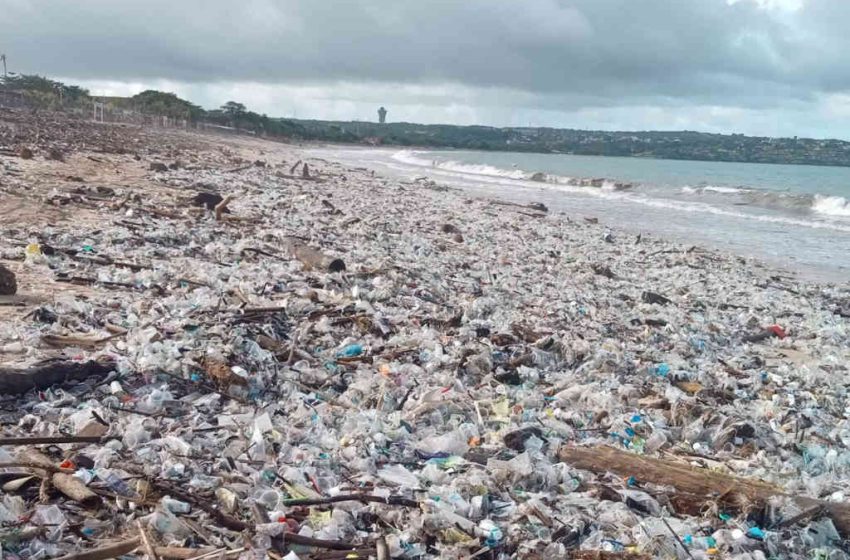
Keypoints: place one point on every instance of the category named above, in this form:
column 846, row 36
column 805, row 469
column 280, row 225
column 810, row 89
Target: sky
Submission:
column 761, row 67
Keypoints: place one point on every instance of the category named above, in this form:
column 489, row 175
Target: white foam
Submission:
column 725, row 190
column 831, row 205
column 714, row 189
column 413, row 158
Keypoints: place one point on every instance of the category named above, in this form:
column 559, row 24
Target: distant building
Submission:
column 382, row 115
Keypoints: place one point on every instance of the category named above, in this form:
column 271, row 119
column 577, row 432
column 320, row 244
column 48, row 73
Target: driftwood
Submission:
column 240, row 168
column 653, row 298
column 82, row 341
column 221, row 207
column 538, row 206
column 105, row 552
column 49, row 440
column 74, row 488
column 388, row 500
column 312, row 258
column 295, row 538
column 696, row 488
column 146, row 542
column 180, row 553
column 16, row 381
column 605, row 555
column 69, row 485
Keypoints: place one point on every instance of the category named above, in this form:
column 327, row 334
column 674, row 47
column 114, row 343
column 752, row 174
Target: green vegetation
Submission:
column 43, row 92
column 154, row 102
column 665, row 145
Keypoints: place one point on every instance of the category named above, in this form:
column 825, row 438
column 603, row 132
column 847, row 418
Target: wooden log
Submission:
column 113, row 550
column 15, row 381
column 696, row 488
column 312, row 258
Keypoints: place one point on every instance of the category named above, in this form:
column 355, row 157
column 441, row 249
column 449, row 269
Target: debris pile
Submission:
column 246, row 361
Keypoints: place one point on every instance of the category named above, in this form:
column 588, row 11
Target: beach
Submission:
column 471, row 344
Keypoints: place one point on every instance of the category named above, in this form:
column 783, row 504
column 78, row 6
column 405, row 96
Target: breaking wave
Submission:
column 831, row 205
column 836, row 206
column 410, row 157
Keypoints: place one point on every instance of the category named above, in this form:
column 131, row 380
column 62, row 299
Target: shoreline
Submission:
column 466, row 343
column 683, row 221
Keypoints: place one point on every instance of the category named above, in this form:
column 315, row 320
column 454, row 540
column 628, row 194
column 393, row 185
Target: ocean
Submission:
column 791, row 216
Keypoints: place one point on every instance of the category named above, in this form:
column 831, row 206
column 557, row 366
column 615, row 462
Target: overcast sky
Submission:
column 768, row 67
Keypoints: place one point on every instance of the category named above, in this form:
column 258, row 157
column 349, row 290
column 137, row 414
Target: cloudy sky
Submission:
column 768, row 67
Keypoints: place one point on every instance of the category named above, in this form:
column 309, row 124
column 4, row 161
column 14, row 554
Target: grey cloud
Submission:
column 567, row 54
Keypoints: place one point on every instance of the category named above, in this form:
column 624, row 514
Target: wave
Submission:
column 715, row 189
column 711, row 199
column 414, row 158
column 831, row 205
column 825, row 205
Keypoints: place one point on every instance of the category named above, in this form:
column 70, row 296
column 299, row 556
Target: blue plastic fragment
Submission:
column 636, row 418
column 350, row 351
column 662, row 370
column 755, row 533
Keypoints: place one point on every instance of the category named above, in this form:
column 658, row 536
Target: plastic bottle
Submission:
column 175, row 506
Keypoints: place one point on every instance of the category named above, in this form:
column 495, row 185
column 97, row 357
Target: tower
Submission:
column 382, row 115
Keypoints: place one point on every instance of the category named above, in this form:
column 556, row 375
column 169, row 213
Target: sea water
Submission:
column 794, row 217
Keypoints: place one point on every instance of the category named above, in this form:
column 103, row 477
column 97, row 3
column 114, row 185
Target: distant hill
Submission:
column 648, row 144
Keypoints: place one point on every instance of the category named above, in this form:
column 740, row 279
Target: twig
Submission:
column 388, row 500
column 802, row 516
column 295, row 538
column 292, row 346
column 146, row 543
column 220, row 553
column 678, row 540
column 240, row 168
column 37, row 440
column 221, row 207
column 180, row 553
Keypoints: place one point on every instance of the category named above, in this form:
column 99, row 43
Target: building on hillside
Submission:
column 382, row 115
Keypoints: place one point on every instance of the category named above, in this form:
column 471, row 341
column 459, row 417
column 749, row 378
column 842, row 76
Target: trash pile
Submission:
column 252, row 360
column 53, row 135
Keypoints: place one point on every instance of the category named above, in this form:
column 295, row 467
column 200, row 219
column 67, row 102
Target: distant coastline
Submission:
column 675, row 145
